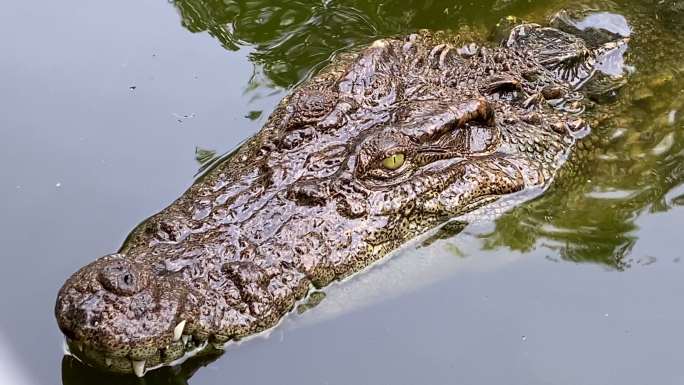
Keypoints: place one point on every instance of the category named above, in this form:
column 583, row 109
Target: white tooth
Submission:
column 139, row 368
column 218, row 346
column 185, row 338
column 108, row 361
column 178, row 330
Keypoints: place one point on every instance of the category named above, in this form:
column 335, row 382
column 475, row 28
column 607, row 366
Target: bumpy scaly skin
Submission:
column 308, row 201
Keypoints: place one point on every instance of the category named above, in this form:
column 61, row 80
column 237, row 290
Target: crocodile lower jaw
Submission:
column 174, row 354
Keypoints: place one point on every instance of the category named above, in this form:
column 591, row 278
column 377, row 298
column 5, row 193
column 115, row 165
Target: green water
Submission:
column 105, row 106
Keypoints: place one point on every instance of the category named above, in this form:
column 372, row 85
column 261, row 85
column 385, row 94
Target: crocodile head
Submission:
column 383, row 145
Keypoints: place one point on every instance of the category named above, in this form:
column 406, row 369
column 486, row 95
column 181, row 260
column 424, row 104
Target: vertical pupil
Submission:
column 393, row 161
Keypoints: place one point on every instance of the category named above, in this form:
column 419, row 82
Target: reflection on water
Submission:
column 11, row 371
column 631, row 164
column 292, row 38
column 74, row 372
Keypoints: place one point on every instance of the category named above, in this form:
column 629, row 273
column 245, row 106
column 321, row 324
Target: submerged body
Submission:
column 383, row 145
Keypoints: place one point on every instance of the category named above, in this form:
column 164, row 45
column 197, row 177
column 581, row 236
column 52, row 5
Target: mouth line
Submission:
column 173, row 354
column 136, row 359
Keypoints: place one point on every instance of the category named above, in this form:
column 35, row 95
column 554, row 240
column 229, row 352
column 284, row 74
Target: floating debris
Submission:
column 183, row 117
column 205, row 158
column 254, row 115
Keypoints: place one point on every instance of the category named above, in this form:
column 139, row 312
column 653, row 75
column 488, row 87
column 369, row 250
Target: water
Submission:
column 103, row 108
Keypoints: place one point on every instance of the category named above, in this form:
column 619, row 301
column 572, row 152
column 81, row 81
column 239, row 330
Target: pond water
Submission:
column 104, row 106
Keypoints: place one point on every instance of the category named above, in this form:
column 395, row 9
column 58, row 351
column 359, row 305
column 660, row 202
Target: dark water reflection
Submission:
column 74, row 372
column 106, row 105
column 292, row 38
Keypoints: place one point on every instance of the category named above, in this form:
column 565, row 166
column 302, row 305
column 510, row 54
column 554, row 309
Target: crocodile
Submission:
column 383, row 145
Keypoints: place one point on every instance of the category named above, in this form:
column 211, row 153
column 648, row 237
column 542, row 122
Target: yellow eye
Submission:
column 393, row 161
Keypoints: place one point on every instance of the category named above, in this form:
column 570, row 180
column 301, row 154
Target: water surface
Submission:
column 104, row 105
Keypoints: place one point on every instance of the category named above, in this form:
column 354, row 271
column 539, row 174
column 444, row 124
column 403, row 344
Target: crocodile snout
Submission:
column 121, row 315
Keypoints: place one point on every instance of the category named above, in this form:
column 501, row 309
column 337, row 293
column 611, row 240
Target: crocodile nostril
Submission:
column 122, row 277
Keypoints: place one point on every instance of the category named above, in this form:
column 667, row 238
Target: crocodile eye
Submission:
column 393, row 161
